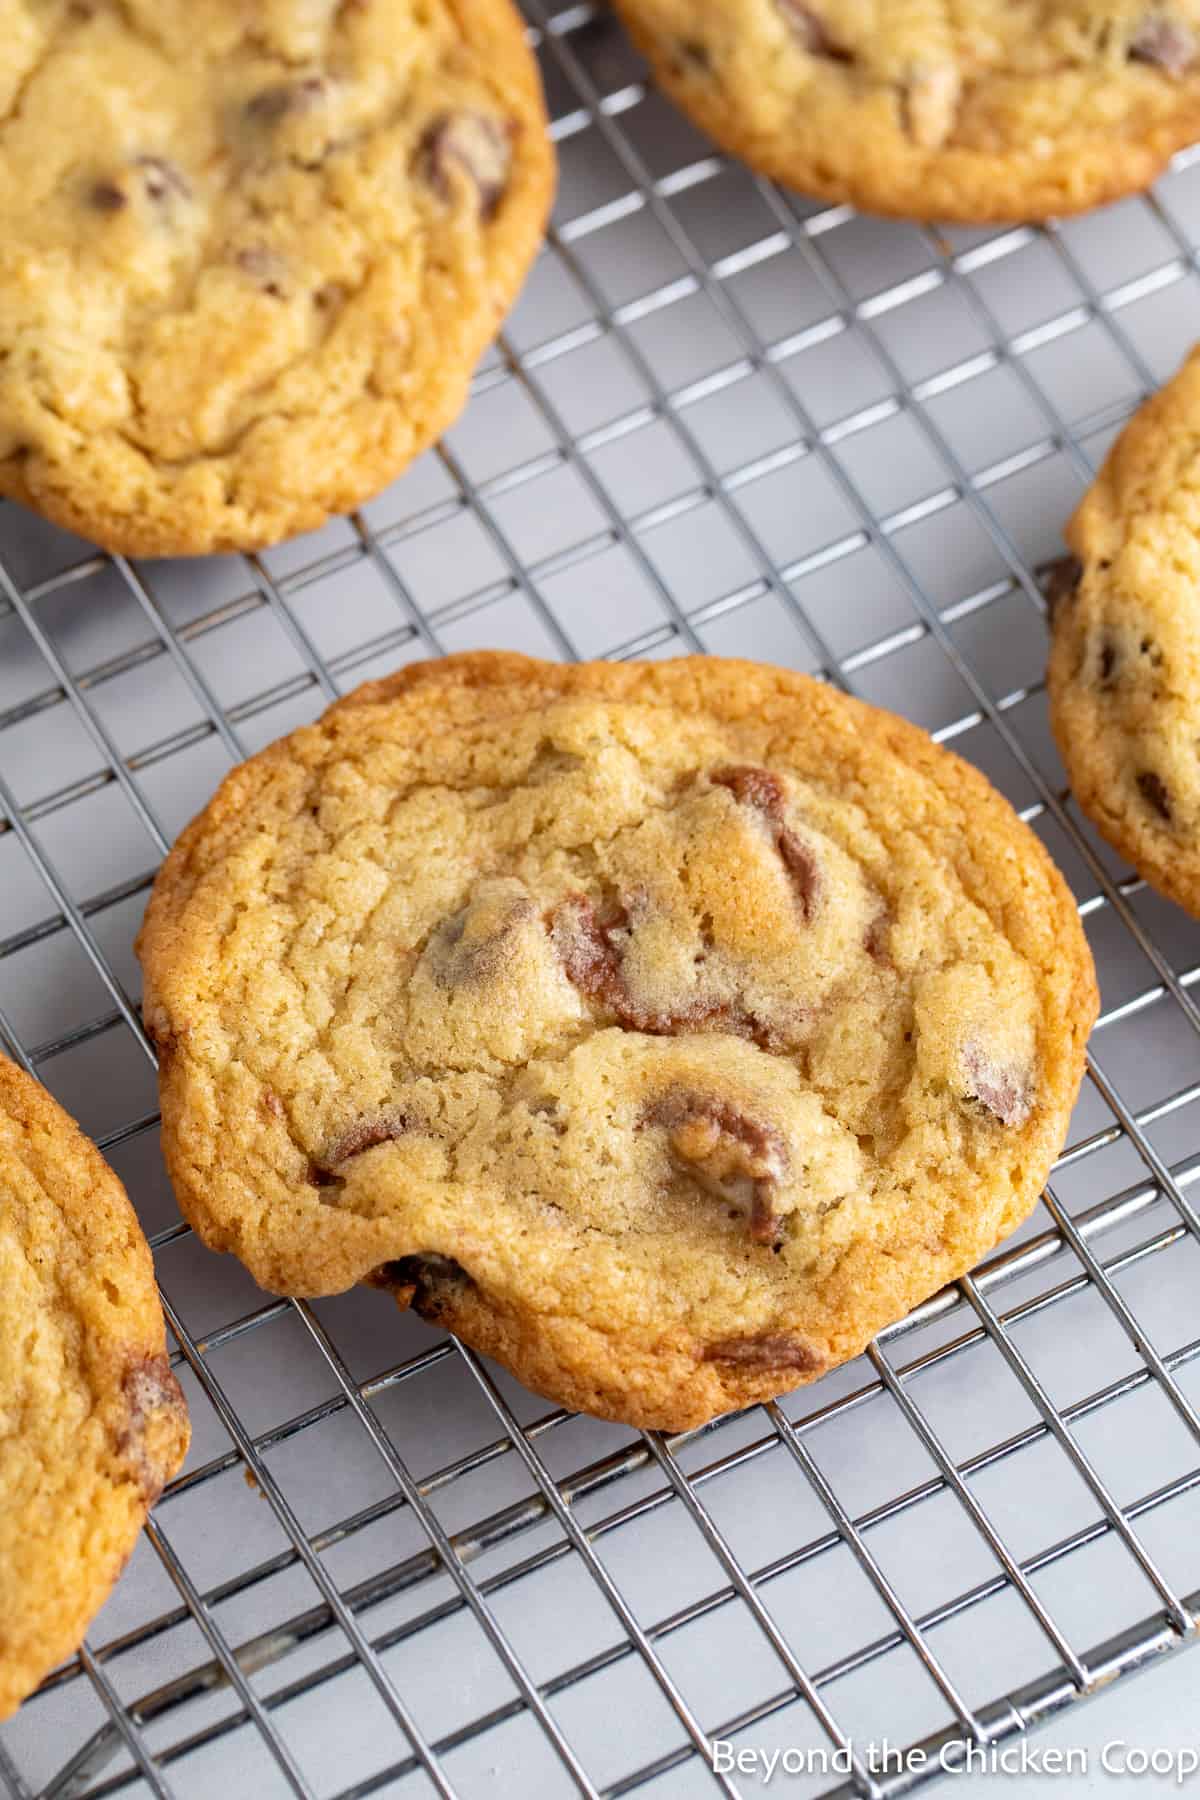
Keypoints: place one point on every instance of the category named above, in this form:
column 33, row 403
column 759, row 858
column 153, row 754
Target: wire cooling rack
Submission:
column 720, row 419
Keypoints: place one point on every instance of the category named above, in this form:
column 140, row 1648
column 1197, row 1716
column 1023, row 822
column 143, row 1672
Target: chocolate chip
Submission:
column 732, row 1156
column 875, row 939
column 426, row 1282
column 160, row 180
column 811, row 32
column 695, row 55
column 154, row 1401
column 589, row 949
column 751, row 786
column 763, row 791
column 1004, row 1091
column 271, row 104
column 474, row 145
column 1107, row 661
column 1165, row 43
column 364, row 1135
column 107, row 197
column 1154, row 792
column 770, row 1350
column 472, row 947
column 805, row 871
column 1060, row 583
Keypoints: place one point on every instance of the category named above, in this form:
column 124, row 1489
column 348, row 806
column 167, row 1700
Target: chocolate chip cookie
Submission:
column 249, row 255
column 92, row 1422
column 975, row 112
column 1124, row 672
column 662, row 1029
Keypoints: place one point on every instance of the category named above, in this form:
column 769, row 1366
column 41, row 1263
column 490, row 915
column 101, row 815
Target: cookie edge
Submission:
column 1077, row 178
column 670, row 1387
column 1093, row 534
column 160, row 531
column 85, row 1186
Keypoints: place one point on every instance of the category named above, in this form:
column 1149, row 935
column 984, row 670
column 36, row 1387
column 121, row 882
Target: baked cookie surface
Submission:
column 249, row 255
column 979, row 111
column 1124, row 669
column 92, row 1422
column 662, row 1029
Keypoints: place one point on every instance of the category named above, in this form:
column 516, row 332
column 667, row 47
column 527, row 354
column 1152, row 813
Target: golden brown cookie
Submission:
column 663, row 1029
column 92, row 1422
column 1124, row 672
column 249, row 255
column 979, row 111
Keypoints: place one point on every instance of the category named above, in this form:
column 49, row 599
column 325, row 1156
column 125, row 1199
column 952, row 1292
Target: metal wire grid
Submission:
column 719, row 420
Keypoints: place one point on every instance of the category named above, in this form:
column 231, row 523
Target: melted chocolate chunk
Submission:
column 764, row 792
column 426, row 1282
column 734, row 1157
column 811, row 32
column 590, row 946
column 478, row 146
column 1165, row 43
column 107, row 197
column 1004, row 1091
column 754, row 787
column 150, row 1390
column 770, row 1350
column 471, row 948
column 1154, row 792
column 1060, row 583
column 364, row 1135
column 804, row 869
